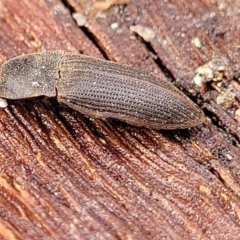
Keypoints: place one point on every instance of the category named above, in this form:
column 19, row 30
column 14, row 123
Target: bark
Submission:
column 67, row 176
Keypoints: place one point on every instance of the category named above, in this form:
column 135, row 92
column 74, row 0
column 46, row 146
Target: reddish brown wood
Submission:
column 65, row 176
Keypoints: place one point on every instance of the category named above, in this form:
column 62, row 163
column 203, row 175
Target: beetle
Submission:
column 100, row 89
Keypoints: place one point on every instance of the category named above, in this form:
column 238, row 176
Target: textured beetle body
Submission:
column 99, row 88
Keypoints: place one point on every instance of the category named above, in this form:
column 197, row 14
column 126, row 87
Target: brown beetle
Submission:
column 100, row 89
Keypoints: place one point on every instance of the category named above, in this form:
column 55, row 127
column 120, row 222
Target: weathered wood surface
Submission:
column 65, row 176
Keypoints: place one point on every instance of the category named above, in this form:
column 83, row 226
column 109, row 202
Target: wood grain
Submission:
column 65, row 176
